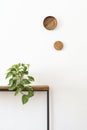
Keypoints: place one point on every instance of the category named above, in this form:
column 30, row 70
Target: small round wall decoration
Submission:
column 50, row 22
column 58, row 45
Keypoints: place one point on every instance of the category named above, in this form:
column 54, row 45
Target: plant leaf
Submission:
column 25, row 81
column 29, row 88
column 12, row 69
column 18, row 90
column 25, row 72
column 9, row 74
column 12, row 87
column 25, row 99
column 31, row 78
column 30, row 93
column 10, row 81
column 20, row 87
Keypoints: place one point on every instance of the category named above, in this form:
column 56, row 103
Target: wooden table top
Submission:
column 35, row 88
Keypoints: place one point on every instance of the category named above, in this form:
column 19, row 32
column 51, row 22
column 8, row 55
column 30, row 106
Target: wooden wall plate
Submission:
column 50, row 22
column 58, row 45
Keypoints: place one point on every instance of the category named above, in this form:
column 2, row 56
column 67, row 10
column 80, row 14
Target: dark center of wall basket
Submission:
column 50, row 22
column 58, row 45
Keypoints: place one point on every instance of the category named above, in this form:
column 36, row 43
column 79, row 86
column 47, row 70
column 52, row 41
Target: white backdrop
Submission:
column 24, row 39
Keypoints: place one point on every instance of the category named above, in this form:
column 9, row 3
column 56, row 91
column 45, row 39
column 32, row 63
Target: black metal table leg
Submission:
column 47, row 109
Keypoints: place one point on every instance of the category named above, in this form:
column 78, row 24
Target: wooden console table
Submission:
column 38, row 88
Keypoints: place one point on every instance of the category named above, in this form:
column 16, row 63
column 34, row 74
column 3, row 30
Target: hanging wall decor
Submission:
column 50, row 23
column 58, row 45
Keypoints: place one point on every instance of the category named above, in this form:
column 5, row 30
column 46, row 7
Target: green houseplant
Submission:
column 19, row 80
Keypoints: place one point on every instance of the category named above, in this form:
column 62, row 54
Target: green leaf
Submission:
column 9, row 74
column 25, row 72
column 25, row 81
column 12, row 69
column 30, row 93
column 25, row 99
column 12, row 87
column 10, row 81
column 18, row 90
column 20, row 87
column 24, row 67
column 29, row 88
column 31, row 78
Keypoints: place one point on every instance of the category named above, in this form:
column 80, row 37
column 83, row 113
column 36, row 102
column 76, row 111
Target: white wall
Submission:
column 24, row 39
